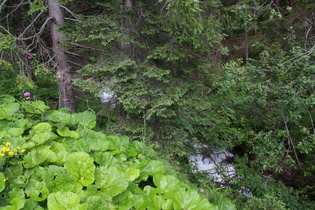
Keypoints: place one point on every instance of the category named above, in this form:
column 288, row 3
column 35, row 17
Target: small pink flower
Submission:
column 59, row 74
column 27, row 94
column 29, row 57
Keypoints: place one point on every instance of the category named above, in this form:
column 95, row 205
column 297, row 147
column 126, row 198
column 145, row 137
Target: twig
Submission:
column 32, row 23
column 285, row 121
column 37, row 34
column 311, row 118
column 4, row 1
column 68, row 10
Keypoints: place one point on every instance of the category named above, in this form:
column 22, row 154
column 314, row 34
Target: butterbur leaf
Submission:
column 16, row 198
column 8, row 110
column 168, row 184
column 191, row 200
column 159, row 202
column 41, row 128
column 81, row 145
column 35, row 107
column 65, row 132
column 17, row 202
column 6, row 99
column 124, row 200
column 150, row 168
column 41, row 138
column 132, row 173
column 60, row 151
column 105, row 159
column 87, row 119
column 2, row 182
column 96, row 202
column 62, row 200
column 30, row 204
column 60, row 118
column 58, row 179
column 99, row 144
column 36, row 190
column 81, row 166
column 223, row 203
column 15, row 131
column 111, row 180
column 38, row 155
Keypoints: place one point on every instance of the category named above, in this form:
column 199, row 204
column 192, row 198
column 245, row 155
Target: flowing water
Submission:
column 216, row 163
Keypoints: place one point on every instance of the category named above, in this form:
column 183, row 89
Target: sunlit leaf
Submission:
column 81, row 166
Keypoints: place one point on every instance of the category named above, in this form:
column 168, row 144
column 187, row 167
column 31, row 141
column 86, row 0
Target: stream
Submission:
column 216, row 163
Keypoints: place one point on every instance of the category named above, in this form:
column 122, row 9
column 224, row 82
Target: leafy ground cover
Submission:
column 50, row 159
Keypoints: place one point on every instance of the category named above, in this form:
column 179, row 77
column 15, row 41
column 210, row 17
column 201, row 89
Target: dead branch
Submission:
column 285, row 121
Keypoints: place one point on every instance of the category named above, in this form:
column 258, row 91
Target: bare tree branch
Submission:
column 68, row 10
column 285, row 121
column 37, row 34
column 2, row 3
column 32, row 23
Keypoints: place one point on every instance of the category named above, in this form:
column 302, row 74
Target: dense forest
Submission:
column 173, row 76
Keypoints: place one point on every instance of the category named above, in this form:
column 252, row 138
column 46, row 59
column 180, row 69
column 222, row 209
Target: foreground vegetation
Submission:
column 235, row 75
column 54, row 160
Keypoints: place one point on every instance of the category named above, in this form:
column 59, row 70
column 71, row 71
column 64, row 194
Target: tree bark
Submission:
column 66, row 97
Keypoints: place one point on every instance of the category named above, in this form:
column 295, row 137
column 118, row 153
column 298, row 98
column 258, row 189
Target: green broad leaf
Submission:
column 99, row 144
column 81, row 166
column 16, row 198
column 191, row 200
column 17, row 202
column 35, row 107
column 96, row 202
column 63, row 200
column 65, row 132
column 36, row 190
column 119, row 140
column 31, row 204
column 15, row 132
column 168, row 184
column 111, row 180
column 222, row 203
column 41, row 138
column 150, row 168
column 41, row 128
column 2, row 182
column 81, row 145
column 159, row 202
column 57, row 178
column 140, row 201
column 132, row 173
column 28, row 145
column 38, row 155
column 136, row 148
column 19, row 181
column 60, row 118
column 60, row 151
column 87, row 119
column 6, row 99
column 124, row 200
column 8, row 110
column 105, row 159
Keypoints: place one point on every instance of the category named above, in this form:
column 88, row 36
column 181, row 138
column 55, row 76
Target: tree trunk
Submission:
column 66, row 97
